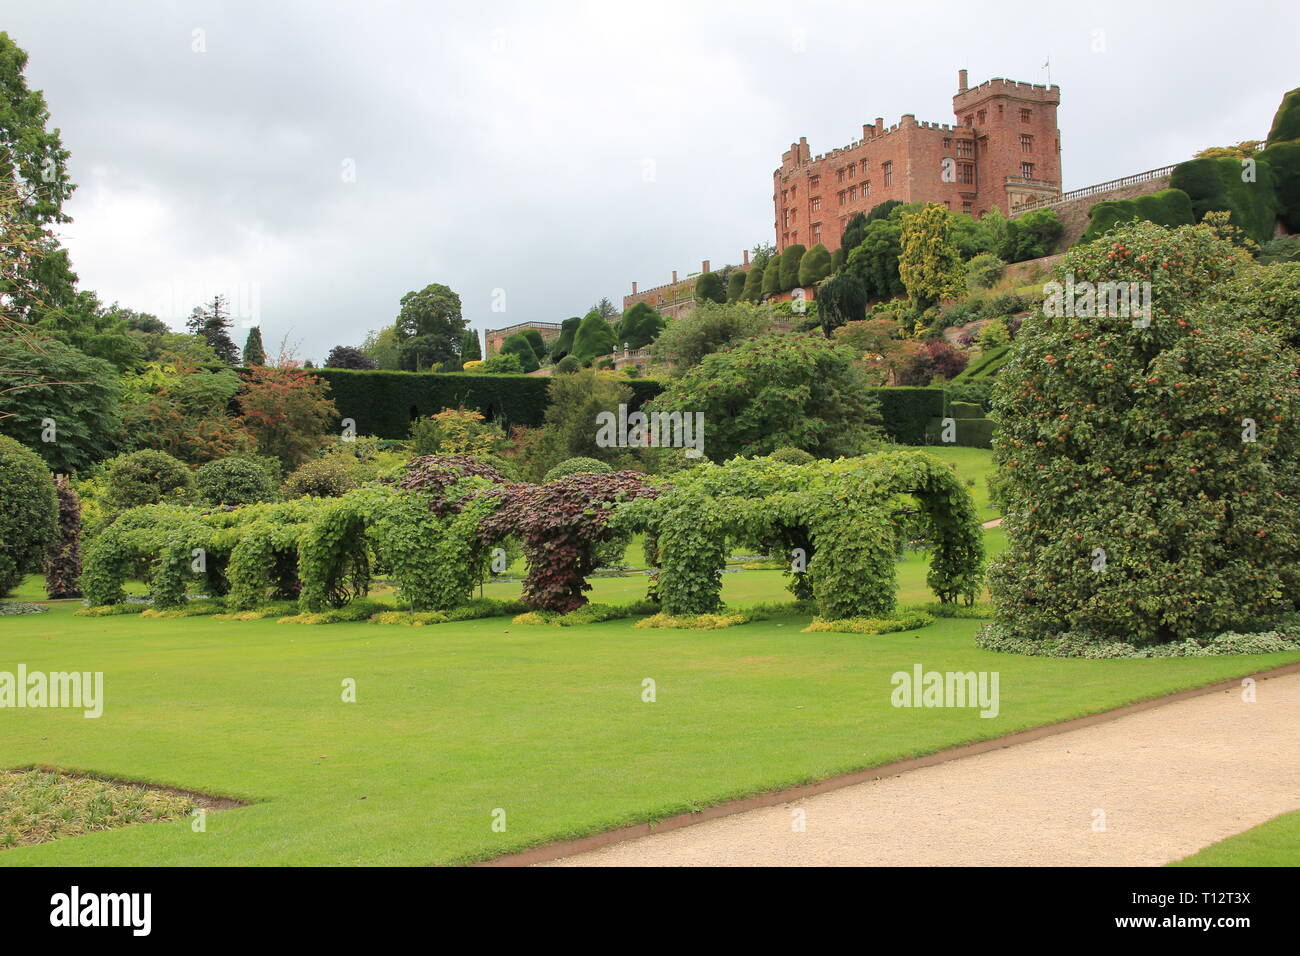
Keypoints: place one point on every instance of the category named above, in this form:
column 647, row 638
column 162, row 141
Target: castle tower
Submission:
column 1017, row 142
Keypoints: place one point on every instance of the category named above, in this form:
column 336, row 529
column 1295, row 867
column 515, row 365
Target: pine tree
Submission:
column 213, row 323
column 254, row 353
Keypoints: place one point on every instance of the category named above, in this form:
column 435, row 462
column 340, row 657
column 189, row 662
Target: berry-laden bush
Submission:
column 233, row 481
column 578, row 466
column 561, row 523
column 63, row 563
column 1148, row 471
column 29, row 518
column 146, row 477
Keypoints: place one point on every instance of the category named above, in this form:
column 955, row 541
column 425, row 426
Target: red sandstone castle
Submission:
column 1003, row 151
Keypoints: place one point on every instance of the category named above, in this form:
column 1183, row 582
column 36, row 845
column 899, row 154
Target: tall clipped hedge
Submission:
column 1169, row 207
column 1284, row 161
column 381, row 402
column 907, row 411
column 385, row 403
column 1217, row 184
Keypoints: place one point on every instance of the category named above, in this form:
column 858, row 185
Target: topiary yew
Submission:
column 1148, row 471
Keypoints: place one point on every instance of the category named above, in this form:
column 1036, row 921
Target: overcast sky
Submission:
column 317, row 160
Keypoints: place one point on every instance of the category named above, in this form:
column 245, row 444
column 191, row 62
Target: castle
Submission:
column 1003, row 151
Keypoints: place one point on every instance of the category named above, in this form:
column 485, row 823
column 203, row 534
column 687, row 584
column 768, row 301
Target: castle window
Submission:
column 947, row 142
column 1027, row 170
column 965, row 206
column 816, row 203
column 785, row 196
column 842, row 195
column 979, row 117
column 966, row 174
column 1025, row 116
column 817, row 232
column 970, row 120
column 965, row 147
column 866, row 187
column 853, row 170
column 1026, row 143
column 853, row 193
column 840, row 172
column 814, row 182
column 888, row 169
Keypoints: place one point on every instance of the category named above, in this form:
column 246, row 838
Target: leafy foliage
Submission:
column 343, row 356
column 233, row 481
column 767, row 393
column 63, row 563
column 286, row 410
column 29, row 518
column 640, row 325
column 1134, row 440
column 577, row 466
column 58, row 383
column 561, row 523
column 146, row 477
column 707, row 329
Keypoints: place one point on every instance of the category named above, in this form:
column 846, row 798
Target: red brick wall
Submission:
column 813, row 203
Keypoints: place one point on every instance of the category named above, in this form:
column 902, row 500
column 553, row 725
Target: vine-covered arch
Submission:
column 840, row 514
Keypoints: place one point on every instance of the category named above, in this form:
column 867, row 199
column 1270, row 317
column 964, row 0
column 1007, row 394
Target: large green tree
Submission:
column 59, row 402
column 254, row 351
column 778, row 391
column 212, row 321
column 709, row 328
column 429, row 327
column 929, row 264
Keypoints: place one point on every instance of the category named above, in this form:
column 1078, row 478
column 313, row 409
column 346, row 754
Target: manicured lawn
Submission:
column 455, row 721
column 1275, row 843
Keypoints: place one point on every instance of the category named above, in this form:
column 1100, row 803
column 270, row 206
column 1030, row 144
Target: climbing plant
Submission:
column 560, row 523
column 834, row 521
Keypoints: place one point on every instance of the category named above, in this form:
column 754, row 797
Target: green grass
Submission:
column 1275, row 843
column 454, row 721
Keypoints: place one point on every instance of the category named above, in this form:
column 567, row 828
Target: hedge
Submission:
column 1169, row 207
column 1216, row 184
column 907, row 411
column 965, row 410
column 384, row 404
column 987, row 365
column 381, row 403
column 1284, row 160
column 975, row 432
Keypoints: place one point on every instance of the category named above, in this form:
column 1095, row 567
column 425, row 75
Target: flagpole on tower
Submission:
column 1048, row 67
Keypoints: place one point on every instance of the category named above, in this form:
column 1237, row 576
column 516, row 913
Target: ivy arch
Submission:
column 841, row 513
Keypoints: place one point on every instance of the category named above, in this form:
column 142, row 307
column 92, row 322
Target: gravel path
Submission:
column 1141, row 790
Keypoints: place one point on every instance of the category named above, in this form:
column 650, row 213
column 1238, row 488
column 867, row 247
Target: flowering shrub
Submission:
column 1148, row 472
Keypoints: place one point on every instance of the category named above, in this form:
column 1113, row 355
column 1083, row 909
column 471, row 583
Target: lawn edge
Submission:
column 547, row 852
